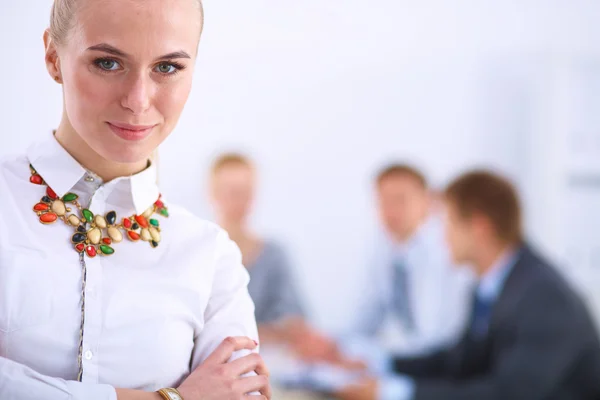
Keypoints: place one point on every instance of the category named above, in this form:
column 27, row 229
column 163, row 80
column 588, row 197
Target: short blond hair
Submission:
column 228, row 159
column 61, row 18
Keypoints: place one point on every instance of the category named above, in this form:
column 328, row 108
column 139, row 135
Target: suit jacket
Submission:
column 541, row 345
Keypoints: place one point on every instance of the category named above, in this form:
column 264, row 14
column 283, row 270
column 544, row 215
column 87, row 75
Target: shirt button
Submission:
column 89, row 178
column 88, row 355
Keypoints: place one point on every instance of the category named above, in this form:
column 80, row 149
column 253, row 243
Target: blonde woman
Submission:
column 279, row 311
column 108, row 291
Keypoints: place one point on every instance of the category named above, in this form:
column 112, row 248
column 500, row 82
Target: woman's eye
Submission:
column 166, row 68
column 108, row 65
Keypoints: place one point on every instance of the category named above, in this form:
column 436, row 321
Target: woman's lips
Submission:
column 130, row 132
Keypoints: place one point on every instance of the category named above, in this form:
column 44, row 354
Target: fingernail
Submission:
column 255, row 342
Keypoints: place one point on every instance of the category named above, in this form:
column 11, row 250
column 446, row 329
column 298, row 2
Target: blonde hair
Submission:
column 228, row 159
column 61, row 21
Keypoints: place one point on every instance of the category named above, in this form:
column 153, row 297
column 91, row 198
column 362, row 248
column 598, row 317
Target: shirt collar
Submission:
column 62, row 172
column 492, row 282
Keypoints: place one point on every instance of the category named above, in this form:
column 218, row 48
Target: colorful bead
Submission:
column 106, row 250
column 107, row 241
column 115, row 234
column 100, row 221
column 36, row 179
column 127, row 223
column 81, row 229
column 154, row 222
column 111, row 217
column 73, row 220
column 95, row 235
column 41, row 207
column 135, row 226
column 155, row 234
column 145, row 235
column 134, row 236
column 70, row 197
column 91, row 251
column 154, row 244
column 148, row 213
column 88, row 215
column 46, row 199
column 78, row 238
column 142, row 221
column 159, row 204
column 59, row 208
column 48, row 218
column 51, row 193
column 80, row 247
column 164, row 212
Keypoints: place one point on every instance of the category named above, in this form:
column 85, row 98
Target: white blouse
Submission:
column 151, row 315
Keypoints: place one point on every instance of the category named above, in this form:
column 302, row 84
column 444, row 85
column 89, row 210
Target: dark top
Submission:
column 541, row 344
column 272, row 286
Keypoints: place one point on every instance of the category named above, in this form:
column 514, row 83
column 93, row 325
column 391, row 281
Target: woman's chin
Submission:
column 125, row 154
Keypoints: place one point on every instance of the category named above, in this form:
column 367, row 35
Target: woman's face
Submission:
column 233, row 192
column 126, row 68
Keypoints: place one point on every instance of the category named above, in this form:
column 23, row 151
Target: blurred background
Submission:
column 321, row 94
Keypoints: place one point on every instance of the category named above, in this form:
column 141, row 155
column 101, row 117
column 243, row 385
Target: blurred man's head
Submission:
column 403, row 200
column 483, row 213
column 232, row 187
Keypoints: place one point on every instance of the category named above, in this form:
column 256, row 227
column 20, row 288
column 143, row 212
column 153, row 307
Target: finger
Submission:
column 261, row 368
column 228, row 346
column 259, row 383
column 246, row 364
column 267, row 391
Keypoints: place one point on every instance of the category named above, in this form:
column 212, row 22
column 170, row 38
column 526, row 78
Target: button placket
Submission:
column 92, row 325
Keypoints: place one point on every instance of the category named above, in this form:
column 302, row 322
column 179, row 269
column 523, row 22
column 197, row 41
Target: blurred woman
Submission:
column 279, row 313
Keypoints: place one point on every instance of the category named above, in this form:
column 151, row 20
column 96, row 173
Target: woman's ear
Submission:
column 51, row 57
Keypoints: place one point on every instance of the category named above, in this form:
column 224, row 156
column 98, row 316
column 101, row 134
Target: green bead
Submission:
column 164, row 212
column 70, row 197
column 106, row 250
column 88, row 215
column 154, row 222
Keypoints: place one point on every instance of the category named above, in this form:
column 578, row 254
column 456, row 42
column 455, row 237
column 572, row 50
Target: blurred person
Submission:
column 529, row 337
column 279, row 311
column 414, row 299
column 108, row 291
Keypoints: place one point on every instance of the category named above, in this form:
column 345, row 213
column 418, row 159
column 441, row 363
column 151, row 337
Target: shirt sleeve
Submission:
column 230, row 310
column 397, row 387
column 20, row 382
column 372, row 299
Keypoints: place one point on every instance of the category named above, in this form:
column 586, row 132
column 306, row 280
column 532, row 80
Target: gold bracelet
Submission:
column 170, row 394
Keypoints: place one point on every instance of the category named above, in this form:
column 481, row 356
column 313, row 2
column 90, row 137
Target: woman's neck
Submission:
column 89, row 159
column 237, row 231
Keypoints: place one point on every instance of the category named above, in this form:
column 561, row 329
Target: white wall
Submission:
column 322, row 92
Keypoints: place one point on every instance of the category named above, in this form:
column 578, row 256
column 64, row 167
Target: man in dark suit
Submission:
column 530, row 336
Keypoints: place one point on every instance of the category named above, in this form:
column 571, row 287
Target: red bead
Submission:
column 106, row 241
column 127, row 223
column 133, row 235
column 36, row 179
column 159, row 204
column 91, row 251
column 80, row 247
column 141, row 221
column 48, row 218
column 51, row 193
column 41, row 207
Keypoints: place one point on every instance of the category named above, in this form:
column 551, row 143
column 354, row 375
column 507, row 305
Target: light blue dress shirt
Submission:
column 401, row 387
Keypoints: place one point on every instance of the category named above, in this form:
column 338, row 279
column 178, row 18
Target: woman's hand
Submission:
column 218, row 379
